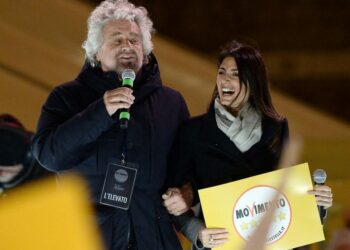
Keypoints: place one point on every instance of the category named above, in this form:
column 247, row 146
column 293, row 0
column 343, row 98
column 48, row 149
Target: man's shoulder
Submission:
column 171, row 95
column 69, row 90
column 171, row 91
column 70, row 85
column 67, row 93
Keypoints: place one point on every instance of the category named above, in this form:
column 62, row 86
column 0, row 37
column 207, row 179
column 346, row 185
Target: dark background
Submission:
column 279, row 27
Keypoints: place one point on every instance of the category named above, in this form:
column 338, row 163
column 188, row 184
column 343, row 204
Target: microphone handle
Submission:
column 322, row 212
column 124, row 117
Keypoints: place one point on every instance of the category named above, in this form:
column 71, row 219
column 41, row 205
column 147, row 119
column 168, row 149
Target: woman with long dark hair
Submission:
column 241, row 135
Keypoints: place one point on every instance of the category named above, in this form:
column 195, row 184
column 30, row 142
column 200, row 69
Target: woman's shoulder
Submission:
column 280, row 123
column 276, row 130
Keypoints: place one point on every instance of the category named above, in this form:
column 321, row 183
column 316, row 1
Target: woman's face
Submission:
column 231, row 94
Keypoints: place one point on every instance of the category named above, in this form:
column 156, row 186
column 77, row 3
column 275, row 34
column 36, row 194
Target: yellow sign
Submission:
column 240, row 206
column 46, row 215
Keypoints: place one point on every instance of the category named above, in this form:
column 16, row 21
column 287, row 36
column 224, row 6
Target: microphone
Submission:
column 128, row 77
column 319, row 176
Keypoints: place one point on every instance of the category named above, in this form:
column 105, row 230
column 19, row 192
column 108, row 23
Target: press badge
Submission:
column 119, row 184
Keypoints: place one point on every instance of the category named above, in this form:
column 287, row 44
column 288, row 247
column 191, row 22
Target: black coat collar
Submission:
column 213, row 137
column 147, row 80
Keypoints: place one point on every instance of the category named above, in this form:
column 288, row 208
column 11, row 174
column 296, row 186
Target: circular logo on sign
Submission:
column 121, row 175
column 251, row 207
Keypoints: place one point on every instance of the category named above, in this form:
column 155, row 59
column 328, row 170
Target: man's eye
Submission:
column 134, row 41
column 117, row 42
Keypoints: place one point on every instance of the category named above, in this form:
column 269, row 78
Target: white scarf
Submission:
column 244, row 130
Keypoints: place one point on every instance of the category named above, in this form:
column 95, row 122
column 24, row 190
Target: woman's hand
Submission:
column 213, row 237
column 323, row 194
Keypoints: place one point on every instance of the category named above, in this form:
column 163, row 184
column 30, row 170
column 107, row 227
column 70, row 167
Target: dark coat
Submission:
column 76, row 132
column 204, row 154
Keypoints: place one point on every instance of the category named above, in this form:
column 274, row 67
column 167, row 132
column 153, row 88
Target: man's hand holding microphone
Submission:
column 121, row 98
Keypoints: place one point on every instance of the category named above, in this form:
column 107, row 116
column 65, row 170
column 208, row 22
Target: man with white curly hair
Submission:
column 78, row 129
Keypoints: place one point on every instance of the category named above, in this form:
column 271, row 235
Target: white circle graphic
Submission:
column 251, row 207
column 121, row 175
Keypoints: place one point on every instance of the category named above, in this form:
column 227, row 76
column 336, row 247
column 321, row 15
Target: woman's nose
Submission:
column 226, row 78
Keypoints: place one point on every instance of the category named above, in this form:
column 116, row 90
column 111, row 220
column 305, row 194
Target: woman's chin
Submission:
column 225, row 102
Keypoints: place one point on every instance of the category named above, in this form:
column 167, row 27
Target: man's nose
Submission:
column 126, row 44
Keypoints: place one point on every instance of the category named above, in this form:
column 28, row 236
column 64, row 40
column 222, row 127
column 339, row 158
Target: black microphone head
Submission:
column 128, row 74
column 319, row 176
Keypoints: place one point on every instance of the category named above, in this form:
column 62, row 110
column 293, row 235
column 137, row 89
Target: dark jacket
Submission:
column 76, row 132
column 205, row 154
column 206, row 157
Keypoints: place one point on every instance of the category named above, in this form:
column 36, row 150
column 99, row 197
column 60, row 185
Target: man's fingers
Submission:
column 174, row 190
column 123, row 90
column 171, row 207
column 174, row 205
column 171, row 197
column 119, row 95
column 120, row 105
column 174, row 202
column 115, row 99
column 167, row 194
column 119, row 98
column 164, row 197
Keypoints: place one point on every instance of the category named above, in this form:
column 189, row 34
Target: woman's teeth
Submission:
column 228, row 91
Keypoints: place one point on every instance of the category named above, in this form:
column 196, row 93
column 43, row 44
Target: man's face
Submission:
column 121, row 47
column 8, row 173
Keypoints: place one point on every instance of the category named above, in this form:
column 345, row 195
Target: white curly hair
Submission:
column 116, row 10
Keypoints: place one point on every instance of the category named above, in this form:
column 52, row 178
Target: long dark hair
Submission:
column 252, row 72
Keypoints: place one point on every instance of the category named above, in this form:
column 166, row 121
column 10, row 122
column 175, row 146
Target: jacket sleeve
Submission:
column 184, row 114
column 62, row 137
column 180, row 161
column 191, row 231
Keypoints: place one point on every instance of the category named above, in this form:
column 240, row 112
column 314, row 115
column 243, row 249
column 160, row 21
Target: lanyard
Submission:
column 124, row 146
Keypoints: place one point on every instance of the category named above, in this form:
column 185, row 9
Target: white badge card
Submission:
column 119, row 184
